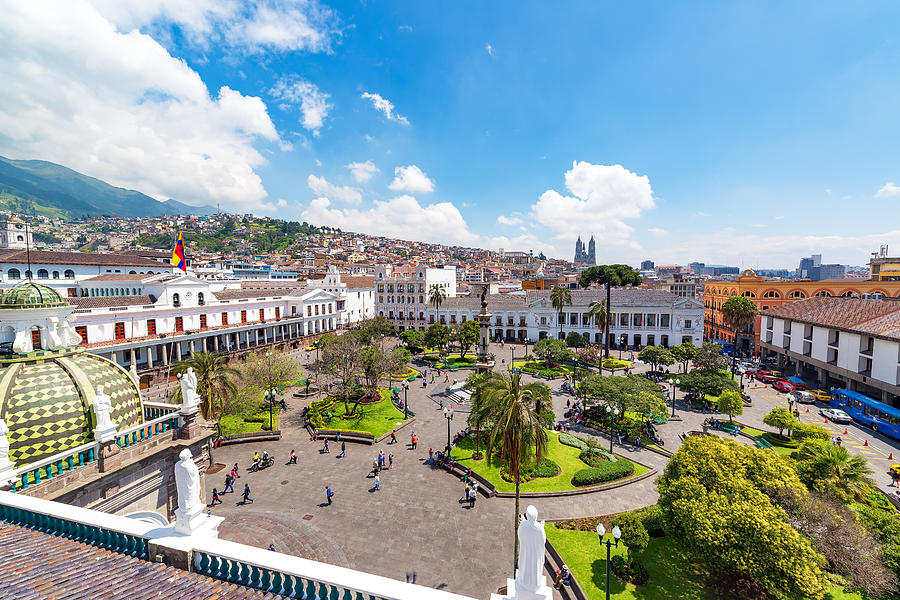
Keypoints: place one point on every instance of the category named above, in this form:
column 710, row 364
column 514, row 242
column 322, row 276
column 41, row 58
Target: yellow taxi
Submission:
column 821, row 395
column 894, row 469
column 312, row 346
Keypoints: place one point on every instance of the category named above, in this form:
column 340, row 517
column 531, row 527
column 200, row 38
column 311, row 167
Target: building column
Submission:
column 177, row 351
column 165, row 354
column 216, row 342
column 191, row 345
column 132, row 362
column 149, row 351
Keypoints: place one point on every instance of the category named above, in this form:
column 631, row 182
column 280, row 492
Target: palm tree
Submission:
column 560, row 297
column 598, row 312
column 517, row 432
column 480, row 413
column 214, row 381
column 609, row 275
column 832, row 466
column 738, row 312
column 436, row 297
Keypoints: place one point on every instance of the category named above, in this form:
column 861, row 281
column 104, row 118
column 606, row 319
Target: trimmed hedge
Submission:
column 802, row 431
column 604, row 472
column 547, row 468
column 777, row 441
column 567, row 439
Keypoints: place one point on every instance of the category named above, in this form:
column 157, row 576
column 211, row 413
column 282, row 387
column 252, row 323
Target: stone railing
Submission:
column 243, row 565
column 154, row 410
column 147, row 430
column 54, row 466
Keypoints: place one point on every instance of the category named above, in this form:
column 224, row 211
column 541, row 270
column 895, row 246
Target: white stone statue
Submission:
column 53, row 340
column 22, row 341
column 187, row 482
column 532, row 540
column 102, row 406
column 189, row 396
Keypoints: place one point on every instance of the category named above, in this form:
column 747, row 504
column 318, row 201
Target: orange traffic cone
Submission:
column 807, row 410
column 891, row 456
column 826, row 421
column 845, row 431
column 865, row 442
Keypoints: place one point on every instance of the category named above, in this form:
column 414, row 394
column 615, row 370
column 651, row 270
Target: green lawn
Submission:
column 565, row 456
column 234, row 424
column 377, row 419
column 672, row 574
column 752, row 431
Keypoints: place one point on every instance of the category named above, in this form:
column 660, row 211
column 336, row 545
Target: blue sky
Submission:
column 744, row 133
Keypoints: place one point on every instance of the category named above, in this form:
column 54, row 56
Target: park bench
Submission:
column 348, row 436
column 762, row 443
column 729, row 427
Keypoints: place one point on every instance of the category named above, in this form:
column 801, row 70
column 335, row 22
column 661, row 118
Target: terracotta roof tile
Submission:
column 49, row 257
column 110, row 301
column 42, row 566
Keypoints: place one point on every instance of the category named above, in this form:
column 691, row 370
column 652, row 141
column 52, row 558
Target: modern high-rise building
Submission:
column 811, row 268
column 647, row 265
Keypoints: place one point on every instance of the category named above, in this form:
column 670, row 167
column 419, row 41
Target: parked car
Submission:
column 765, row 376
column 803, row 397
column 821, row 395
column 836, row 415
column 797, row 382
column 783, row 386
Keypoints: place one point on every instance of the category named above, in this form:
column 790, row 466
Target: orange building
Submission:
column 767, row 294
column 541, row 283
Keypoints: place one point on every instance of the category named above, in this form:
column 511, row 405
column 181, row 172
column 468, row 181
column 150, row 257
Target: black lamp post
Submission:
column 448, row 414
column 613, row 414
column 617, row 533
column 512, row 356
column 674, row 389
column 270, row 396
column 405, row 403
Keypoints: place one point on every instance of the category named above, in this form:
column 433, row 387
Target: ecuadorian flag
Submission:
column 178, row 254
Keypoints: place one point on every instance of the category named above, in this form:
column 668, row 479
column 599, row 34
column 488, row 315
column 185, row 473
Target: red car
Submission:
column 783, row 386
column 765, row 376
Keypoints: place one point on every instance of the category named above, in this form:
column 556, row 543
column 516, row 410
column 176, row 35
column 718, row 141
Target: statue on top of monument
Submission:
column 484, row 291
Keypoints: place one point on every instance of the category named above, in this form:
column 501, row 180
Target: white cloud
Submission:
column 489, row 48
column 385, row 107
column 658, row 231
column 313, row 102
column 404, row 28
column 888, row 190
column 282, row 203
column 260, row 26
column 779, row 217
column 362, row 171
column 119, row 107
column 511, row 220
column 411, row 179
column 827, row 191
column 603, row 197
column 401, row 217
column 321, row 187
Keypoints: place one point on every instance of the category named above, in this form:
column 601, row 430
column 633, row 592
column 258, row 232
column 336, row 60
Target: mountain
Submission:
column 37, row 186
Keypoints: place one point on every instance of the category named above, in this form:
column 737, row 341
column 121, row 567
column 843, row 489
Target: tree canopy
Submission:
column 656, row 356
column 550, row 349
column 684, row 353
column 731, row 403
column 620, row 392
column 709, row 357
column 465, row 335
column 437, row 336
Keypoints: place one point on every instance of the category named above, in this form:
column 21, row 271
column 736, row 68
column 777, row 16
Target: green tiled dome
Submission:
column 31, row 295
column 47, row 404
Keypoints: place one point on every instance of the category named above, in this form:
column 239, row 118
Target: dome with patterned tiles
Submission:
column 31, row 295
column 47, row 403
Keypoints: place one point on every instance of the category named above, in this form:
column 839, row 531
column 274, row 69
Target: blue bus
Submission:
column 879, row 416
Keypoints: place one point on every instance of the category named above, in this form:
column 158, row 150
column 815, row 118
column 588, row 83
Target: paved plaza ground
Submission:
column 414, row 528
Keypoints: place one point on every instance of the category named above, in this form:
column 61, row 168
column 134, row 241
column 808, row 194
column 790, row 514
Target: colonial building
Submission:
column 641, row 317
column 356, row 291
column 842, row 342
column 402, row 295
column 768, row 294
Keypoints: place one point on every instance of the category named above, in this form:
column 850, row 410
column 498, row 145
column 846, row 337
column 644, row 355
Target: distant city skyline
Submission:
column 727, row 133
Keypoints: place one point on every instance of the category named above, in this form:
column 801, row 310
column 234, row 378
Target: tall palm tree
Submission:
column 479, row 413
column 609, row 275
column 517, row 432
column 597, row 311
column 560, row 298
column 832, row 466
column 738, row 312
column 214, row 381
column 436, row 297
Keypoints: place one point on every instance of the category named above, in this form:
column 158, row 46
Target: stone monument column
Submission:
column 109, row 456
column 484, row 362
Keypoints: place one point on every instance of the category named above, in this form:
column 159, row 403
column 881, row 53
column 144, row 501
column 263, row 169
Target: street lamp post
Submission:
column 613, row 414
column 617, row 533
column 270, row 396
column 448, row 414
column 405, row 403
column 512, row 356
column 674, row 389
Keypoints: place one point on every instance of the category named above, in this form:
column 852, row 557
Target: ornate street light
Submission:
column 674, row 389
column 617, row 533
column 448, row 414
column 612, row 414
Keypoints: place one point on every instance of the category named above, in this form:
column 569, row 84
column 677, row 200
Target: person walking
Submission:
column 430, row 456
column 343, row 450
column 325, row 448
column 377, row 482
column 293, row 459
column 390, row 460
column 472, row 493
column 229, row 484
column 215, row 498
column 246, row 494
column 895, row 478
column 234, row 471
column 329, row 494
column 393, row 437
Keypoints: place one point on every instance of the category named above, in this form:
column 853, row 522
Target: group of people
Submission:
column 230, row 478
column 470, row 493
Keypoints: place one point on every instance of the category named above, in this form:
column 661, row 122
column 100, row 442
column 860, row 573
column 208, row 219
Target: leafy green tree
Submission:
column 374, row 329
column 575, row 340
column 270, row 370
column 480, row 413
column 619, row 392
column 375, row 363
column 709, row 357
column 215, row 382
column 340, row 357
column 517, row 433
column 781, row 419
column 830, row 468
column 549, row 349
column 707, row 382
column 609, row 276
column 437, row 336
column 684, row 353
column 560, row 298
column 467, row 336
column 738, row 312
column 412, row 338
column 634, row 534
column 714, row 499
column 649, row 404
column 731, row 403
column 656, row 356
column 436, row 297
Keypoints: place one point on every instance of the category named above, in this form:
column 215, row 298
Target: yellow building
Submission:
column 768, row 294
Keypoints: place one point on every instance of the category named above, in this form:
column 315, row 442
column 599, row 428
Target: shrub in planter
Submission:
column 635, row 572
column 651, row 517
column 802, row 431
column 605, row 472
column 568, row 439
column 592, row 459
column 776, row 440
column 547, row 468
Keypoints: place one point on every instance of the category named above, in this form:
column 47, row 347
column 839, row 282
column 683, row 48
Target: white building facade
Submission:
column 401, row 296
column 641, row 317
column 356, row 292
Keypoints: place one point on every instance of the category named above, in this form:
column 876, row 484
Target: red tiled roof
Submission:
column 110, row 301
column 39, row 565
column 358, row 281
column 120, row 277
column 49, row 257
